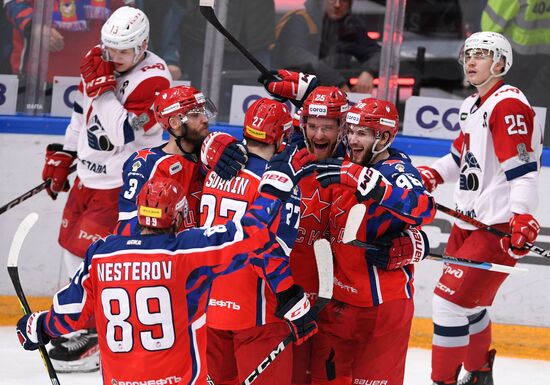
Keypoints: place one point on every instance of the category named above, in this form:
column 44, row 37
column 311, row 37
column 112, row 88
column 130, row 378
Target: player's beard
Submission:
column 196, row 137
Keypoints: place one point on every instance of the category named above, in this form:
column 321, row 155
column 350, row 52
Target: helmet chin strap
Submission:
column 374, row 152
column 179, row 138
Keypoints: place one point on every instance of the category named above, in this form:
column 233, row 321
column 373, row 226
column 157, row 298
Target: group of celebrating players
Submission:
column 205, row 221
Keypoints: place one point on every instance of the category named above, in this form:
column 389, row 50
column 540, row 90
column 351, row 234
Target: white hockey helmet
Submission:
column 494, row 42
column 126, row 28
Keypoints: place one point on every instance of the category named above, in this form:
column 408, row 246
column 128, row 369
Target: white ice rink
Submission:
column 25, row 368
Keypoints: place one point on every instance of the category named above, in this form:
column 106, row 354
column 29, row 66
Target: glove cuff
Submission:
column 421, row 245
column 292, row 303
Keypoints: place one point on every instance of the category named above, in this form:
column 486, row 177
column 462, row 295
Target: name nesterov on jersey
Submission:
column 134, row 271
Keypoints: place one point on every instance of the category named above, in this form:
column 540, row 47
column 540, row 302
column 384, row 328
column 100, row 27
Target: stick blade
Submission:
column 355, row 217
column 323, row 256
column 19, row 238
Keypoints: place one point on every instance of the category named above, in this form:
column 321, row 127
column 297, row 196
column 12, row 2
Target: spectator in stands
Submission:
column 75, row 27
column 323, row 39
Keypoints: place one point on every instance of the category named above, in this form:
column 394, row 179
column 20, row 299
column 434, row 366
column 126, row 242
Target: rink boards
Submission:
column 521, row 310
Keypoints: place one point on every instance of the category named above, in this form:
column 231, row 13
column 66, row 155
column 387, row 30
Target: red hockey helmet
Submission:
column 267, row 121
column 326, row 102
column 378, row 115
column 159, row 202
column 179, row 101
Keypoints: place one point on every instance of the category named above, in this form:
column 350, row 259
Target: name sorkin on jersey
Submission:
column 134, row 271
column 237, row 185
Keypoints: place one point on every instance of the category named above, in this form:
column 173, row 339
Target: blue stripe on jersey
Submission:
column 128, row 131
column 520, row 171
column 408, row 285
column 259, row 302
column 456, row 158
column 78, row 108
column 451, row 331
column 373, row 286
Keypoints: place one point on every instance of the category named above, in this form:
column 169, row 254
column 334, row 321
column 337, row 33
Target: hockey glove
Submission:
column 98, row 74
column 368, row 182
column 289, row 85
column 30, row 332
column 430, row 177
column 523, row 228
column 294, row 307
column 56, row 169
column 285, row 170
column 222, row 153
column 390, row 253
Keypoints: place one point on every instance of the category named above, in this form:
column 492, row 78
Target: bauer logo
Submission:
column 317, row 109
column 353, row 118
column 255, row 133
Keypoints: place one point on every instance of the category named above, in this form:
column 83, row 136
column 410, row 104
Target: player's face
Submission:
column 197, row 127
column 322, row 135
column 337, row 9
column 123, row 59
column 477, row 65
column 360, row 140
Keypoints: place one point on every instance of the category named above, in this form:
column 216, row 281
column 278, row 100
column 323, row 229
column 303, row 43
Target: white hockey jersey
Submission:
column 496, row 157
column 106, row 130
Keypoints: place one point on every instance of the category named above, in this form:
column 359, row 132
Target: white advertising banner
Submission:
column 64, row 88
column 8, row 94
column 243, row 96
column 63, row 95
column 438, row 118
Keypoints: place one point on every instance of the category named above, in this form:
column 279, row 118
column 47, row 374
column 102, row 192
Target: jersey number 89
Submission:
column 117, row 309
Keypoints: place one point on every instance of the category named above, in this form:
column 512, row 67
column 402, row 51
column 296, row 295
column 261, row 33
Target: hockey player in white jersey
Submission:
column 112, row 118
column 495, row 161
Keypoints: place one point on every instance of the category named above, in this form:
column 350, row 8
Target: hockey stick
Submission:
column 323, row 256
column 32, row 192
column 480, row 225
column 355, row 217
column 478, row 265
column 13, row 256
column 207, row 10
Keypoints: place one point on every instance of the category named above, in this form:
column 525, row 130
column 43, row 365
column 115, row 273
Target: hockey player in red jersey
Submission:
column 244, row 320
column 149, row 292
column 364, row 331
column 323, row 119
column 184, row 112
column 495, row 161
column 112, row 118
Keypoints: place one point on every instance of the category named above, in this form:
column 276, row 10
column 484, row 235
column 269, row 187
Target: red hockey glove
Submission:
column 368, row 182
column 30, row 332
column 390, row 253
column 98, row 74
column 294, row 307
column 430, row 177
column 224, row 154
column 289, row 85
column 523, row 228
column 56, row 169
column 285, row 170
